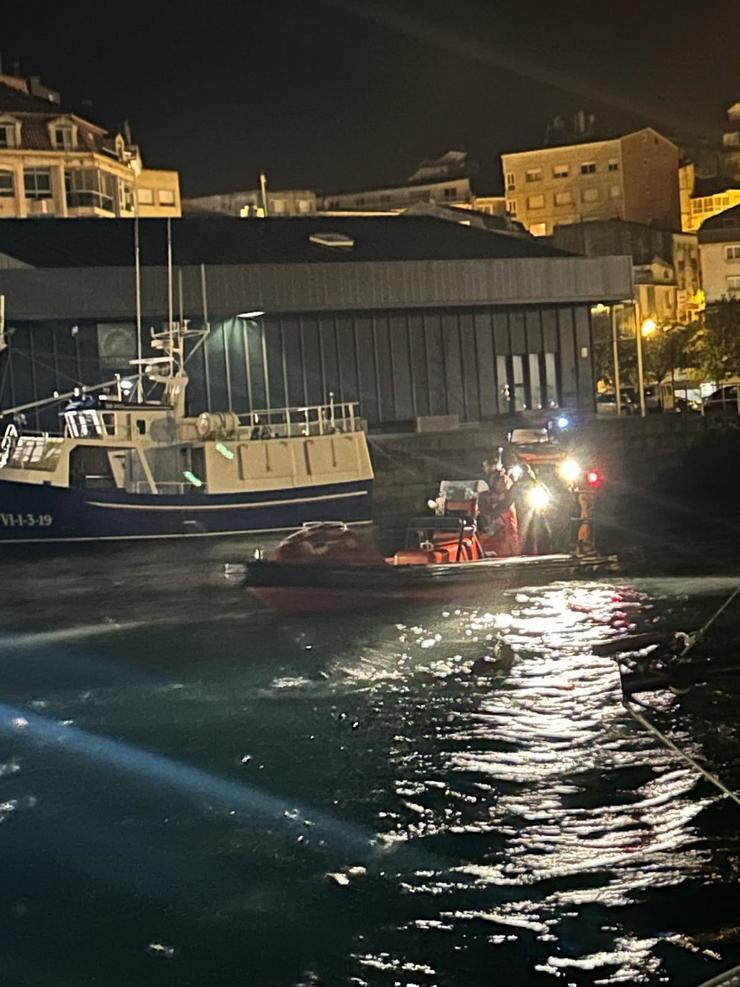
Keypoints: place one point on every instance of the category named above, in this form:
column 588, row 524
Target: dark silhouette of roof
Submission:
column 109, row 243
column 713, row 185
column 13, row 100
column 723, row 225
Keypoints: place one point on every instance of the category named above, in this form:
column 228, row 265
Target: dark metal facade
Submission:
column 475, row 363
column 475, row 338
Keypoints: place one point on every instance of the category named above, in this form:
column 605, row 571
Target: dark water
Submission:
column 179, row 774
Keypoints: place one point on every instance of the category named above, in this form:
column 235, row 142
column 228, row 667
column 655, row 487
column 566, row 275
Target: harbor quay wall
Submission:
column 632, row 454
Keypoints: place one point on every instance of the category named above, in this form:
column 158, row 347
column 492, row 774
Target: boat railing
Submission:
column 31, row 450
column 303, row 420
column 163, row 487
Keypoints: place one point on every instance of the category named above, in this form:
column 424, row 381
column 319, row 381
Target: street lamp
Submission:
column 647, row 328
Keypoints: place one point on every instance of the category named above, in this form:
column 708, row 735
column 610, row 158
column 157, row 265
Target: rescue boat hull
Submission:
column 302, row 589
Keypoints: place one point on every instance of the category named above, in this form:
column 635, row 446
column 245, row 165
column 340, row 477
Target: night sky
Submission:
column 335, row 94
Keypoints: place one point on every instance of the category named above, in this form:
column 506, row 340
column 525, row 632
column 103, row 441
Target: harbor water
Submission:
column 195, row 793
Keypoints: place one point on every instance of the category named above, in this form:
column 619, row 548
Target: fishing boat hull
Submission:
column 303, row 589
column 41, row 513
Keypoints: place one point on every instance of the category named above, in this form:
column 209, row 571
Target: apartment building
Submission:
column 633, row 177
column 719, row 247
column 250, row 203
column 54, row 162
column 665, row 263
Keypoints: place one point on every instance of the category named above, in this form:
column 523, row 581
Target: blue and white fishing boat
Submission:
column 129, row 463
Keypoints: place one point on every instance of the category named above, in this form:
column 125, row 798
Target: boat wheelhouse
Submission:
column 127, row 464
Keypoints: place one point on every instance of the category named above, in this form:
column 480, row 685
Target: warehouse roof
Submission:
column 214, row 241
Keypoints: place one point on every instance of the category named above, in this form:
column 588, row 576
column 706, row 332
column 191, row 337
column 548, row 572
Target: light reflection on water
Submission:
column 538, row 782
column 523, row 829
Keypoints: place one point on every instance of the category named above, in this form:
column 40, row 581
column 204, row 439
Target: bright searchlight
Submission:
column 569, row 470
column 538, row 498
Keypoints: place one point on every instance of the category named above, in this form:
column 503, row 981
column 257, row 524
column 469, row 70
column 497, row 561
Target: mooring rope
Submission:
column 713, row 779
column 643, row 721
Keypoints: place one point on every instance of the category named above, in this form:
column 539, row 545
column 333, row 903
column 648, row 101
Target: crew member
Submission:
column 499, row 527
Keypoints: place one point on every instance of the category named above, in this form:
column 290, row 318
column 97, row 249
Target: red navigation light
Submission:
column 593, row 478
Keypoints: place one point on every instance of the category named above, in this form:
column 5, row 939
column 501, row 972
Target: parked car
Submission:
column 723, row 399
column 653, row 398
column 606, row 403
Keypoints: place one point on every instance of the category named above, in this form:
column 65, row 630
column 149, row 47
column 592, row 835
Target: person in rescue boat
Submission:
column 498, row 524
column 535, row 535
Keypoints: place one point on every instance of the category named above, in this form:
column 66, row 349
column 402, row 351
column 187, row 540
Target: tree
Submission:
column 716, row 347
column 668, row 348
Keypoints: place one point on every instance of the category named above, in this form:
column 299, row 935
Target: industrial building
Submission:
column 413, row 317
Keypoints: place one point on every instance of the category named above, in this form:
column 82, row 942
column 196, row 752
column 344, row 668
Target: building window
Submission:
column 7, row 135
column 535, row 382
column 450, row 193
column 552, row 391
column 613, row 164
column 732, row 251
column 37, row 183
column 615, row 192
column 166, row 197
column 304, row 205
column 126, row 197
column 510, row 180
column 520, row 385
column 7, row 185
column 63, row 137
column 733, row 284
column 590, row 195
column 145, row 196
column 511, row 207
column 696, row 205
column 89, row 188
column 588, row 168
column 561, row 171
column 538, row 229
column 533, row 175
column 563, row 198
column 536, row 202
column 277, row 206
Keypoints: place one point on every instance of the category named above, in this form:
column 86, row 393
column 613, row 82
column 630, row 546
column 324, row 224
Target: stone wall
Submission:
column 630, row 453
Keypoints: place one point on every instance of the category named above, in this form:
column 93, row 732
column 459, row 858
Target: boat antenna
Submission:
column 170, row 302
column 3, row 340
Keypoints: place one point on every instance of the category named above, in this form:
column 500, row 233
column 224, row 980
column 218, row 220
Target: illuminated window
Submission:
column 615, row 192
column 126, row 193
column 696, row 205
column 37, row 183
column 732, row 251
column 536, row 202
column 533, row 174
column 7, row 185
column 89, row 187
column 563, row 198
column 145, row 196
column 561, row 171
column 588, row 168
column 733, row 283
column 538, row 229
column 511, row 207
column 612, row 164
column 63, row 137
column 510, row 179
column 590, row 195
column 166, row 197
column 7, row 135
